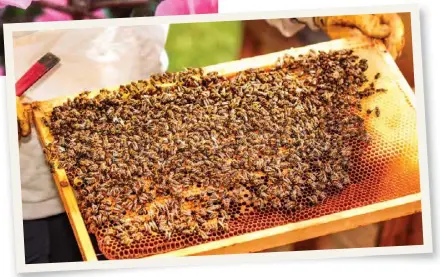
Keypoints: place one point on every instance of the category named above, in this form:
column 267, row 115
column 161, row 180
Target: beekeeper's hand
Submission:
column 23, row 120
column 386, row 27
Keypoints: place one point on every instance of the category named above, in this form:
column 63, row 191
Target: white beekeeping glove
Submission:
column 386, row 27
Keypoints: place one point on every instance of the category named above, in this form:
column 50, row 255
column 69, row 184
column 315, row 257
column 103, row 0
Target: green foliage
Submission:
column 202, row 44
column 14, row 15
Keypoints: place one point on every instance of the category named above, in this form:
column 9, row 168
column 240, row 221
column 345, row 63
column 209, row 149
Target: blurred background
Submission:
column 198, row 45
column 184, row 45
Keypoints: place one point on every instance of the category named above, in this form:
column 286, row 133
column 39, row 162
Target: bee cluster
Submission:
column 156, row 159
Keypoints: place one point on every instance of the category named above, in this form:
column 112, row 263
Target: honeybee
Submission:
column 377, row 111
column 126, row 240
column 313, row 199
column 203, row 234
column 107, row 240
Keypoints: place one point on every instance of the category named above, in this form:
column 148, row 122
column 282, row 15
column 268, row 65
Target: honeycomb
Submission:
column 388, row 169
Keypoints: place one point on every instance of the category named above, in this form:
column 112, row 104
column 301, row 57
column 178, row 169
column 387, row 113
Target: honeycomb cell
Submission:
column 384, row 170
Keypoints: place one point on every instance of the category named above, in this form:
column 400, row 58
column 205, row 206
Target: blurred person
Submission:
column 98, row 55
column 13, row 11
column 386, row 27
column 90, row 59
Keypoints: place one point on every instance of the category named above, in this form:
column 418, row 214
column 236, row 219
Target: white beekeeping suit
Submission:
column 90, row 59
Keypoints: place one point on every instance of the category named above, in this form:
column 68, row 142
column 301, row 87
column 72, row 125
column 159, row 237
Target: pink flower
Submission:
column 54, row 15
column 2, row 71
column 22, row 4
column 184, row 7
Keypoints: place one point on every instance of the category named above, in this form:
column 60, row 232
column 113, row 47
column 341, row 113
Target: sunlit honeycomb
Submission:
column 386, row 170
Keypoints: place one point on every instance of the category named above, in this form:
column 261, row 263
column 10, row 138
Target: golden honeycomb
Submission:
column 386, row 170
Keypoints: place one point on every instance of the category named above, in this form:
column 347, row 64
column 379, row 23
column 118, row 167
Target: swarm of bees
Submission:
column 151, row 158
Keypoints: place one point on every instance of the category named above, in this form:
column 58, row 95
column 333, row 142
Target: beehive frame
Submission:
column 271, row 237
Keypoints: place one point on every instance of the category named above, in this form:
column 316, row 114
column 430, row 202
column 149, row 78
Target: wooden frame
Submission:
column 303, row 230
column 268, row 238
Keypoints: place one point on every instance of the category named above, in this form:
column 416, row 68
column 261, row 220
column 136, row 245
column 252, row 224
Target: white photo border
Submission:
column 21, row 267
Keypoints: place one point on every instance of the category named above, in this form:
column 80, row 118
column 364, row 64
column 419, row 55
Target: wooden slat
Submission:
column 67, row 194
column 272, row 237
column 304, row 230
